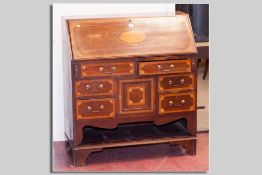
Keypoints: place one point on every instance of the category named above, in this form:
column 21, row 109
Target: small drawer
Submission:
column 95, row 108
column 175, row 82
column 106, row 68
column 94, row 87
column 170, row 103
column 164, row 67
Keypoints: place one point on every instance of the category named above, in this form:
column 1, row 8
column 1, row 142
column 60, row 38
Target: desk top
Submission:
column 131, row 36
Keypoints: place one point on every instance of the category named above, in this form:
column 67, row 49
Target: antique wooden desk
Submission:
column 129, row 81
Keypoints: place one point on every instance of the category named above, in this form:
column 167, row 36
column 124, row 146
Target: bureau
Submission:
column 129, row 81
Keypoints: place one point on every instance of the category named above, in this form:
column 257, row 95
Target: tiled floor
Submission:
column 150, row 158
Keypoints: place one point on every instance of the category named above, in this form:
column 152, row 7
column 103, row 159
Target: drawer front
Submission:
column 170, row 103
column 107, row 68
column 175, row 82
column 94, row 88
column 164, row 67
column 96, row 108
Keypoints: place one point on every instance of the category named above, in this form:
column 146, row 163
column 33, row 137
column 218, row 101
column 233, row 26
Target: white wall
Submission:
column 60, row 10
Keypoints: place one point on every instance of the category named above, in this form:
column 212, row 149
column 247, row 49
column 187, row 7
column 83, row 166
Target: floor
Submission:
column 150, row 158
column 202, row 100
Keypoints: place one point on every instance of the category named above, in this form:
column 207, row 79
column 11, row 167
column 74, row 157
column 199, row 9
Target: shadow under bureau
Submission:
column 129, row 81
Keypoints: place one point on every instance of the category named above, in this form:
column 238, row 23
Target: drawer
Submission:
column 170, row 103
column 95, row 108
column 106, row 68
column 175, row 82
column 164, row 67
column 94, row 87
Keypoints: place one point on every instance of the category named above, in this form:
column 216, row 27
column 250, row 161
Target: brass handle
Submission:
column 166, row 70
column 170, row 82
column 113, row 68
column 101, row 107
column 101, row 69
column 160, row 67
column 171, row 66
column 171, row 103
column 182, row 102
column 182, row 81
column 101, row 86
column 88, row 86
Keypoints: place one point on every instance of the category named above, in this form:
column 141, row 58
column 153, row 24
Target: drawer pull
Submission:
column 183, row 101
column 101, row 86
column 171, row 103
column 113, row 69
column 89, row 108
column 88, row 87
column 160, row 67
column 101, row 107
column 182, row 81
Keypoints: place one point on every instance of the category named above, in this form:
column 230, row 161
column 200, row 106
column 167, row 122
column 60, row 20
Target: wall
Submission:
column 60, row 10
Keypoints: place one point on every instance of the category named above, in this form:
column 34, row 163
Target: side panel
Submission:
column 67, row 82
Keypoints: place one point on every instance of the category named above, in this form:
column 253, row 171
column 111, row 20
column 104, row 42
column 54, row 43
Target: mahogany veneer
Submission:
column 129, row 81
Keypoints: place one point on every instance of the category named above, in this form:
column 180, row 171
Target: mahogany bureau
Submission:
column 129, row 81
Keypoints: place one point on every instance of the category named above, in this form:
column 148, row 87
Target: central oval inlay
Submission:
column 132, row 36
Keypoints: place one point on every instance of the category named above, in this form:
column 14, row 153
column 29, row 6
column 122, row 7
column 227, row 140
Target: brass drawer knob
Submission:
column 101, row 86
column 183, row 101
column 182, row 81
column 172, row 66
column 89, row 108
column 170, row 82
column 171, row 103
column 159, row 66
column 113, row 68
column 88, row 86
column 101, row 107
column 101, row 69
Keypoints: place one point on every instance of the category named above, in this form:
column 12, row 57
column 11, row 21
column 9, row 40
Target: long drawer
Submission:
column 164, row 67
column 106, row 69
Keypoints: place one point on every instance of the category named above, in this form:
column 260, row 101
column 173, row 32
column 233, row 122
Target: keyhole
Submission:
column 130, row 25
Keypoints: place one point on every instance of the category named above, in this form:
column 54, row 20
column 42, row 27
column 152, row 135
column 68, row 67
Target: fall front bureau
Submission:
column 129, row 81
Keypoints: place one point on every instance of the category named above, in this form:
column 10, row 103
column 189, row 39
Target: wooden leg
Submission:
column 206, row 68
column 80, row 156
column 192, row 124
column 79, row 136
column 188, row 145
